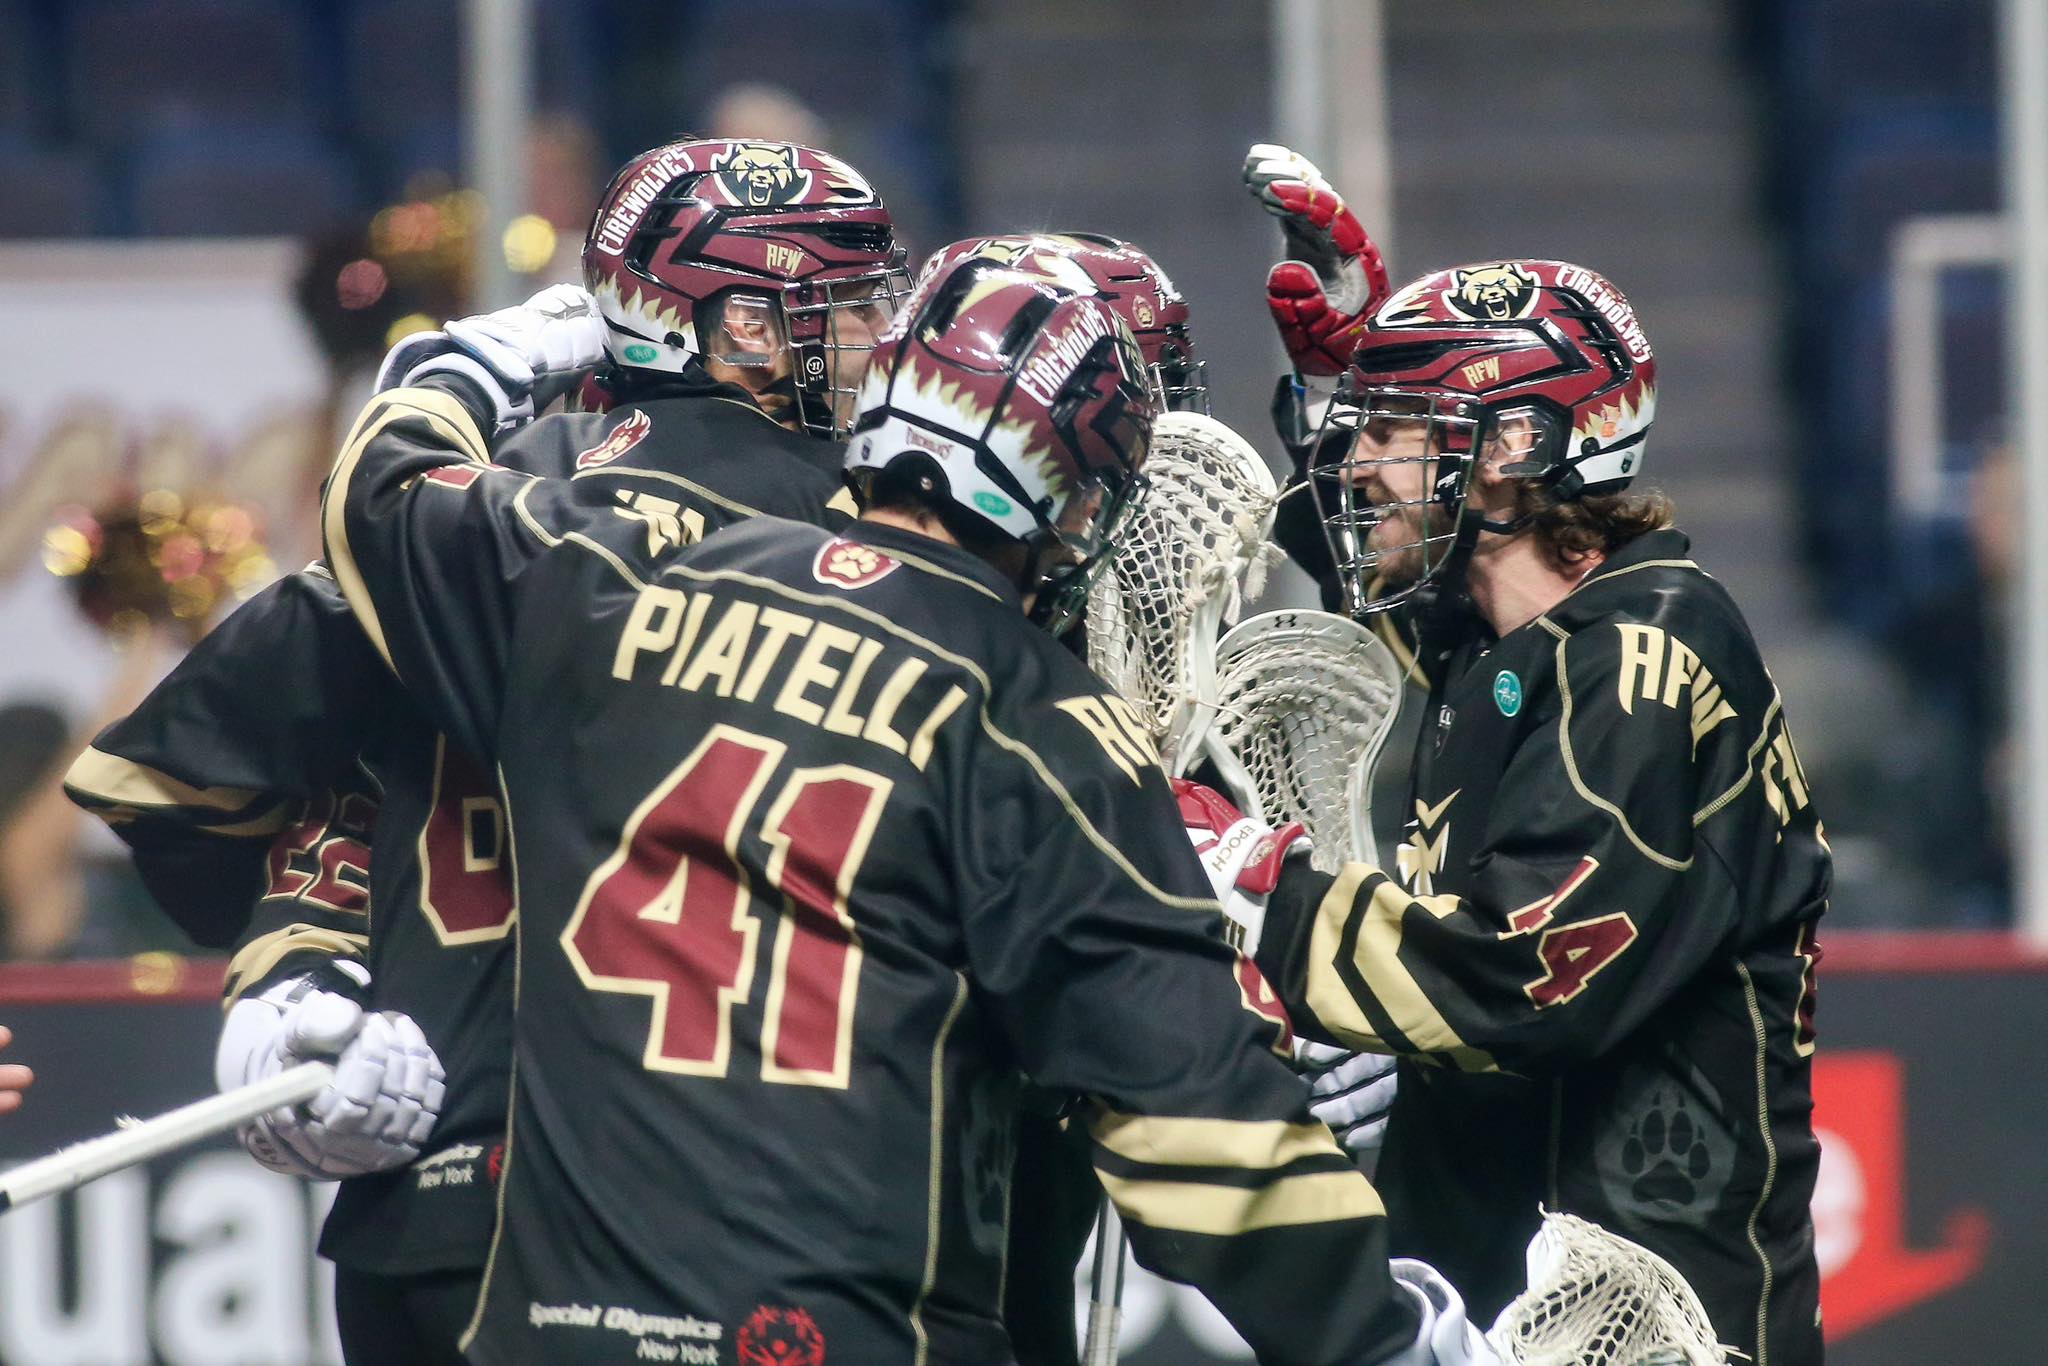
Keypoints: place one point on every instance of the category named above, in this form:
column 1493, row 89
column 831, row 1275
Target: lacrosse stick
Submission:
column 139, row 1141
column 1194, row 548
column 1305, row 701
column 1596, row 1299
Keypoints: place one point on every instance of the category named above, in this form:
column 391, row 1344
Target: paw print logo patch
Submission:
column 1667, row 1153
column 849, row 564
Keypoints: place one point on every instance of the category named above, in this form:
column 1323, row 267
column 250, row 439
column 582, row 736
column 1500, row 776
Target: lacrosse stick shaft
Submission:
column 69, row 1168
column 1106, row 1288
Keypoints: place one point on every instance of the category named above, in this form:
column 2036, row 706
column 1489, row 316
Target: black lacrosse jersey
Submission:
column 817, row 845
column 1595, row 952
column 281, row 753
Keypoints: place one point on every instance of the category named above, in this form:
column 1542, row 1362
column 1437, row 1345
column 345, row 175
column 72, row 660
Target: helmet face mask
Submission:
column 834, row 331
column 1064, row 567
column 1391, row 479
column 1180, row 379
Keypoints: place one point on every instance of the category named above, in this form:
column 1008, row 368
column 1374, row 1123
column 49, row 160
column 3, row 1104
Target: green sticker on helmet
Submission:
column 1507, row 692
column 994, row 504
column 639, row 354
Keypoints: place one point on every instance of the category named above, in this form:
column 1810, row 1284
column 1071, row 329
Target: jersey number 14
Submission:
column 670, row 914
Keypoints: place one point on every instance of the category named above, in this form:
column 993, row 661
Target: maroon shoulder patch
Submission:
column 617, row 442
column 457, row 476
column 849, row 564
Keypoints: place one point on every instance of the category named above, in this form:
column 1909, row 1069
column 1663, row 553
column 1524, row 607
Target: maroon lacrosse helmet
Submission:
column 695, row 243
column 1543, row 355
column 1130, row 281
column 1016, row 406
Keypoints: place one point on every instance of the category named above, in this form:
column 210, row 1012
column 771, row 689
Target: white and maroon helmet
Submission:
column 787, row 233
column 1549, row 347
column 1128, row 280
column 1019, row 408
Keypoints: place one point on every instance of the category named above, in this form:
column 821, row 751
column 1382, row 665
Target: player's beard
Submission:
column 1395, row 544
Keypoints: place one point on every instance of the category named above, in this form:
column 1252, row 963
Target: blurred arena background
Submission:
column 215, row 214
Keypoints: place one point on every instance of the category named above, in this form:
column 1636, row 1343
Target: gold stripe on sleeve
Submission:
column 1224, row 1211
column 1377, row 957
column 448, row 420
column 129, row 789
column 256, row 958
column 1172, row 1141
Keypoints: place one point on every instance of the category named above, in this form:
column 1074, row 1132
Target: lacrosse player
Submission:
column 1055, row 1179
column 818, row 839
column 1595, row 950
column 281, row 765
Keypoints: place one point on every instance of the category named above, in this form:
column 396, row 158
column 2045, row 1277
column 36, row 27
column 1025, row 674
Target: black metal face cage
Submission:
column 827, row 383
column 1179, row 381
column 1069, row 556
column 1368, row 441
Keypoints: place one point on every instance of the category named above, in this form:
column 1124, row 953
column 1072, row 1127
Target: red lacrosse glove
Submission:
column 1333, row 278
column 1242, row 856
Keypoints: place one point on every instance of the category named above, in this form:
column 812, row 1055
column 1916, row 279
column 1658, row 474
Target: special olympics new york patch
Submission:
column 849, row 564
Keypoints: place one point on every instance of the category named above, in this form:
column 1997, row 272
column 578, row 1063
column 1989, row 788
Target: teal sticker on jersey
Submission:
column 639, row 354
column 1507, row 692
column 994, row 504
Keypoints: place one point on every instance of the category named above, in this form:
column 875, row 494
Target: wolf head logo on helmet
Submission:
column 761, row 175
column 1492, row 293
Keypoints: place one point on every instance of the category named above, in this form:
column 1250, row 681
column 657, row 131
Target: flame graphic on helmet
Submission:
column 761, row 174
column 1628, row 414
column 935, row 394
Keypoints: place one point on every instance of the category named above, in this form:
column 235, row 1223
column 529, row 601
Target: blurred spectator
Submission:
column 770, row 113
column 1952, row 640
column 42, row 898
column 14, row 1078
column 54, row 902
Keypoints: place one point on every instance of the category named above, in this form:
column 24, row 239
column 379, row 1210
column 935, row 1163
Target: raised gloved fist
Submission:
column 1350, row 1092
column 382, row 1103
column 1242, row 856
column 1333, row 278
column 520, row 358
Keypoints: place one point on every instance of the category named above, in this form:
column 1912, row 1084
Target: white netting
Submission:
column 1304, row 701
column 1192, row 549
column 1596, row 1299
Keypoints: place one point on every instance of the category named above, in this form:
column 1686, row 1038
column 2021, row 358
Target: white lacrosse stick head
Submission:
column 1190, row 552
column 1597, row 1299
column 1305, row 701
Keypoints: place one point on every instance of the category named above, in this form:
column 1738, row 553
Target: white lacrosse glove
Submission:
column 1242, row 856
column 521, row 358
column 383, row 1101
column 1350, row 1092
column 1446, row 1337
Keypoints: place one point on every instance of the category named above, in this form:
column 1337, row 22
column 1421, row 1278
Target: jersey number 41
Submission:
column 670, row 914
